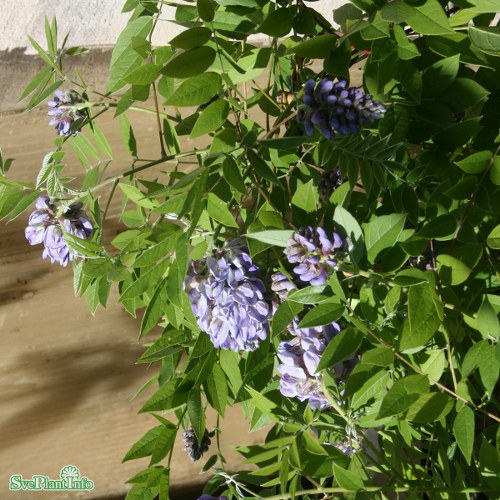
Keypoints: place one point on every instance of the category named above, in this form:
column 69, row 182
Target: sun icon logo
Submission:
column 69, row 471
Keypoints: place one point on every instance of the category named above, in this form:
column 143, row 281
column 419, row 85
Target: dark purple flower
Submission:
column 227, row 298
column 299, row 362
column 64, row 111
column 330, row 181
column 45, row 226
column 331, row 106
column 314, row 253
column 194, row 448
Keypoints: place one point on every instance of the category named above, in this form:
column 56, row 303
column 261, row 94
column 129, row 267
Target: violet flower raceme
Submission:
column 45, row 226
column 314, row 253
column 330, row 181
column 64, row 111
column 299, row 362
column 227, row 298
column 331, row 106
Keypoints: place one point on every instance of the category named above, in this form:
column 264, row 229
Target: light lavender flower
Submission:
column 44, row 226
column 300, row 358
column 314, row 253
column 227, row 298
column 64, row 111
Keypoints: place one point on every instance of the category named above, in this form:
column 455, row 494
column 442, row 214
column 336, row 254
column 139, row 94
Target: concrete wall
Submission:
column 94, row 24
column 90, row 22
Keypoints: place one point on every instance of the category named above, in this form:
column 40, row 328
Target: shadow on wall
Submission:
column 57, row 383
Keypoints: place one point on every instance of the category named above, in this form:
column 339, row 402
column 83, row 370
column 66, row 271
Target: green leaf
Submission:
column 306, row 196
column 211, row 118
column 155, row 308
column 486, row 38
column 402, row 395
column 191, row 38
column 264, row 404
column 347, row 479
column 487, row 320
column 145, row 446
column 124, row 58
column 164, row 443
column 381, row 233
column 128, row 137
column 440, row 75
column 9, row 198
column 463, row 430
column 177, row 271
column 285, row 143
column 308, row 295
column 457, row 134
column 442, row 227
column 452, row 271
column 217, row 209
column 352, row 230
column 423, row 317
column 340, row 348
column 323, row 314
column 197, row 90
column 366, row 382
column 284, row 315
column 429, row 408
column 233, row 175
column 494, row 238
column 137, row 196
column 261, row 167
column 476, row 162
column 427, row 18
column 277, row 238
column 143, row 75
column 277, row 23
column 317, row 47
column 216, row 389
column 206, row 9
column 190, row 63
column 196, row 413
column 410, row 277
column 463, row 94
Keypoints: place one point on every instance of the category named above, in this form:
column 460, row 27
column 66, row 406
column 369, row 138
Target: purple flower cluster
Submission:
column 227, row 298
column 332, row 106
column 64, row 111
column 299, row 361
column 330, row 181
column 314, row 253
column 194, row 448
column 44, row 226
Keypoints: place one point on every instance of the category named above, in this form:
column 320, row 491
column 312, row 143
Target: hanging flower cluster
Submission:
column 227, row 298
column 314, row 252
column 64, row 111
column 194, row 448
column 45, row 226
column 331, row 106
column 299, row 362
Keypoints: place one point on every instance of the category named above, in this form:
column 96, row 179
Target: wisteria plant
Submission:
column 326, row 256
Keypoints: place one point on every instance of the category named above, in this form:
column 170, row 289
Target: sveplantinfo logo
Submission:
column 69, row 479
